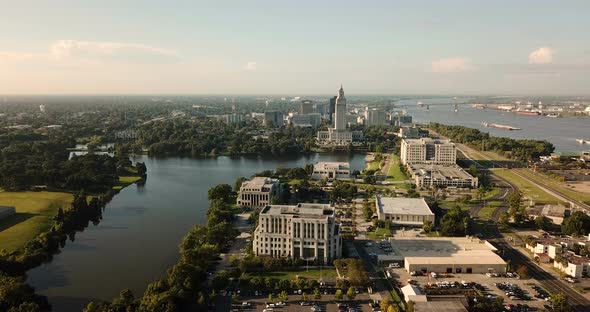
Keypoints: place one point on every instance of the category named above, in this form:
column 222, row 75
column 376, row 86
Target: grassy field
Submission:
column 395, row 173
column 312, row 274
column 486, row 212
column 527, row 188
column 34, row 211
column 540, row 177
column 124, row 181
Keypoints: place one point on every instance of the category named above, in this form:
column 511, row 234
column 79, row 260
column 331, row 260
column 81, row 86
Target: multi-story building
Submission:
column 273, row 119
column 258, row 192
column 401, row 120
column 304, row 231
column 306, row 120
column 428, row 151
column 306, row 107
column 375, row 117
column 556, row 250
column 429, row 175
column 331, row 171
column 339, row 135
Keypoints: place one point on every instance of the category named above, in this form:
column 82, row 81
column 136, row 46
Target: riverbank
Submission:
column 34, row 214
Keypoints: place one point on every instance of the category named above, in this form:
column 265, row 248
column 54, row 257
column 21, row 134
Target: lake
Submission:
column 137, row 240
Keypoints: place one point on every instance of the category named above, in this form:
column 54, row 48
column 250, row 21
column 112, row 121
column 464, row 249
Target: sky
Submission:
column 452, row 47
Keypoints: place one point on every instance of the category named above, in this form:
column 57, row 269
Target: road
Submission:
column 548, row 281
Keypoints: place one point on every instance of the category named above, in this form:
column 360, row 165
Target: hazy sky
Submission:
column 295, row 47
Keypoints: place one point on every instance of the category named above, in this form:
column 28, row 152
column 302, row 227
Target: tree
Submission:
column 578, row 223
column 350, row 293
column 339, row 295
column 523, row 272
column 316, row 294
column 427, row 226
column 238, row 183
column 220, row 191
column 283, row 296
column 560, row 303
column 453, row 223
column 542, row 223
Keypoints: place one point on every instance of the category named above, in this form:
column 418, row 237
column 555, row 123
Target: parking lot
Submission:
column 512, row 290
column 326, row 303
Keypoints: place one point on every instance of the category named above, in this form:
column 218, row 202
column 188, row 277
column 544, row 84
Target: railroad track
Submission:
column 553, row 190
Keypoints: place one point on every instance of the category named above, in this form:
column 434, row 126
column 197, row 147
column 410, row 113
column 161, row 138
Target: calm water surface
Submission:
column 137, row 240
column 562, row 132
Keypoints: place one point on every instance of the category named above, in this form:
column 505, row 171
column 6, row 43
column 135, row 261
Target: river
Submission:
column 562, row 132
column 137, row 240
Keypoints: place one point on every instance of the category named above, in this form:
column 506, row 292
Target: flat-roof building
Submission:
column 425, row 175
column 445, row 255
column 305, row 231
column 428, row 151
column 258, row 192
column 403, row 211
column 331, row 171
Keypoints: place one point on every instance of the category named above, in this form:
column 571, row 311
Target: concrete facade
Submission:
column 258, row 192
column 305, row 231
column 331, row 171
column 428, row 151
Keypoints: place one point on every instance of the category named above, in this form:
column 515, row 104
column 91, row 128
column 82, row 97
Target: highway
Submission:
column 547, row 281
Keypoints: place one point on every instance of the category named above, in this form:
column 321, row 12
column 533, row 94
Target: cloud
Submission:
column 91, row 51
column 451, row 65
column 74, row 48
column 541, row 55
column 250, row 66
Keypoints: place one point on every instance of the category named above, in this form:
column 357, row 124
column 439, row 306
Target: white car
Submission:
column 280, row 304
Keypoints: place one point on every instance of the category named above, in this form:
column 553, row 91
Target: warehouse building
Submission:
column 403, row 211
column 445, row 255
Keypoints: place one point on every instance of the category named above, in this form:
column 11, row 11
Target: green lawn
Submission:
column 486, row 212
column 527, row 188
column 542, row 178
column 34, row 211
column 395, row 173
column 378, row 233
column 491, row 193
column 374, row 165
column 312, row 274
column 125, row 181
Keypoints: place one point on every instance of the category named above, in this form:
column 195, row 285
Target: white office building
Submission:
column 331, row 171
column 403, row 211
column 428, row 151
column 304, row 231
column 258, row 192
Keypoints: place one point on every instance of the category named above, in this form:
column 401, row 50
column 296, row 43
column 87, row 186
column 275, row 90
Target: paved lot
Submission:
column 327, row 303
column 488, row 282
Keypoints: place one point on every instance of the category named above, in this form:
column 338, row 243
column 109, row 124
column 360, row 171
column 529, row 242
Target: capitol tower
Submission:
column 339, row 135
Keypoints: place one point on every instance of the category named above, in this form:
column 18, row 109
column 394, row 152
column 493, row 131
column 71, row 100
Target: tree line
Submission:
column 522, row 149
column 184, row 286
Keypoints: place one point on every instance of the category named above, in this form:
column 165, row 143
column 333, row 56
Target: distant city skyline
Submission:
column 456, row 47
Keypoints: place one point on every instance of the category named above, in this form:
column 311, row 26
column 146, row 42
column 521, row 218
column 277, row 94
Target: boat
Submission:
column 553, row 115
column 582, row 141
column 497, row 126
column 528, row 113
column 420, row 104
